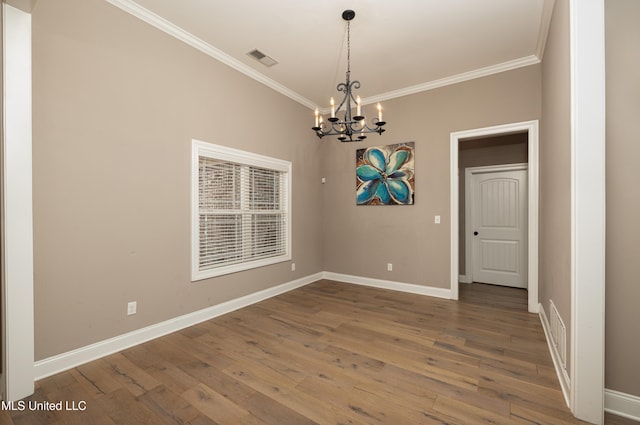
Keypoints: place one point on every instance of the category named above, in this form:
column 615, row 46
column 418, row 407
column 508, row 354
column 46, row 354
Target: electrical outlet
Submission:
column 132, row 308
column 293, row 267
column 389, row 267
column 436, row 219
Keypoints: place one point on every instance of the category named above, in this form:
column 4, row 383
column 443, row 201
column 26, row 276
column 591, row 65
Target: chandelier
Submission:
column 349, row 127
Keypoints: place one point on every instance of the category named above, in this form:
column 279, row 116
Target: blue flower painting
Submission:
column 384, row 175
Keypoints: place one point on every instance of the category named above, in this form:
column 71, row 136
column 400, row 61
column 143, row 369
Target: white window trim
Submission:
column 224, row 153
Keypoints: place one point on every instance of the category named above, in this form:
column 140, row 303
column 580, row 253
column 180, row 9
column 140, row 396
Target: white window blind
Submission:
column 241, row 210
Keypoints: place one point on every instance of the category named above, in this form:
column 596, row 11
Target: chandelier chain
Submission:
column 348, row 47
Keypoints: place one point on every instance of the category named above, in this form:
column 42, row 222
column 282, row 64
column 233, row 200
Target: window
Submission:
column 241, row 211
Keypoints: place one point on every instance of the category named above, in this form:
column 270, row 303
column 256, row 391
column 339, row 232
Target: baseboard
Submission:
column 388, row 284
column 71, row 359
column 563, row 377
column 621, row 404
column 464, row 279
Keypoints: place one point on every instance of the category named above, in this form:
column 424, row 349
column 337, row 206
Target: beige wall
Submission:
column 361, row 240
column 497, row 150
column 555, row 171
column 623, row 197
column 116, row 104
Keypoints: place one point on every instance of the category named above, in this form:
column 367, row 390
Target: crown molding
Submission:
column 447, row 81
column 455, row 79
column 175, row 31
column 545, row 23
column 24, row 5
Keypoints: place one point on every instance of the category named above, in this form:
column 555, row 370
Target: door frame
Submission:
column 468, row 210
column 532, row 130
column 17, row 209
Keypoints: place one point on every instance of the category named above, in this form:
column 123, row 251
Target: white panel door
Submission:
column 499, row 217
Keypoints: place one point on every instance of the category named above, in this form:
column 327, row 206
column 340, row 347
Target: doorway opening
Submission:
column 518, row 143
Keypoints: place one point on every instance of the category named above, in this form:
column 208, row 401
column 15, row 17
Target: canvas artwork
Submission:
column 385, row 175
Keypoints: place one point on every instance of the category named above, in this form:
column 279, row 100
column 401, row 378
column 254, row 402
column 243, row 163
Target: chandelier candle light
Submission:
column 349, row 127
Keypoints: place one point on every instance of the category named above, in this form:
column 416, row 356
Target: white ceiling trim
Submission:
column 545, row 23
column 134, row 9
column 24, row 5
column 173, row 30
column 454, row 79
column 447, row 81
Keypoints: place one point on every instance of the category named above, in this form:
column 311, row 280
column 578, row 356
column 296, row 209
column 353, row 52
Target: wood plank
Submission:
column 168, row 406
column 172, row 377
column 275, row 413
column 468, row 414
column 405, row 380
column 540, row 417
column 215, row 406
column 74, row 397
column 124, row 409
column 131, row 377
column 97, row 378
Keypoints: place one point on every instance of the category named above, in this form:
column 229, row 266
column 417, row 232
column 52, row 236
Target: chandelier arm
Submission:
column 349, row 128
column 344, row 88
column 331, row 129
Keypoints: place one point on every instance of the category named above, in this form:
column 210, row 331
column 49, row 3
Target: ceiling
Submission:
column 397, row 48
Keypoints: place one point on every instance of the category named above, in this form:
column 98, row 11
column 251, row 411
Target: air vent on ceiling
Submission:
column 262, row 58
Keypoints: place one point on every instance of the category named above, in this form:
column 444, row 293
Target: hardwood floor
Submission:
column 327, row 353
